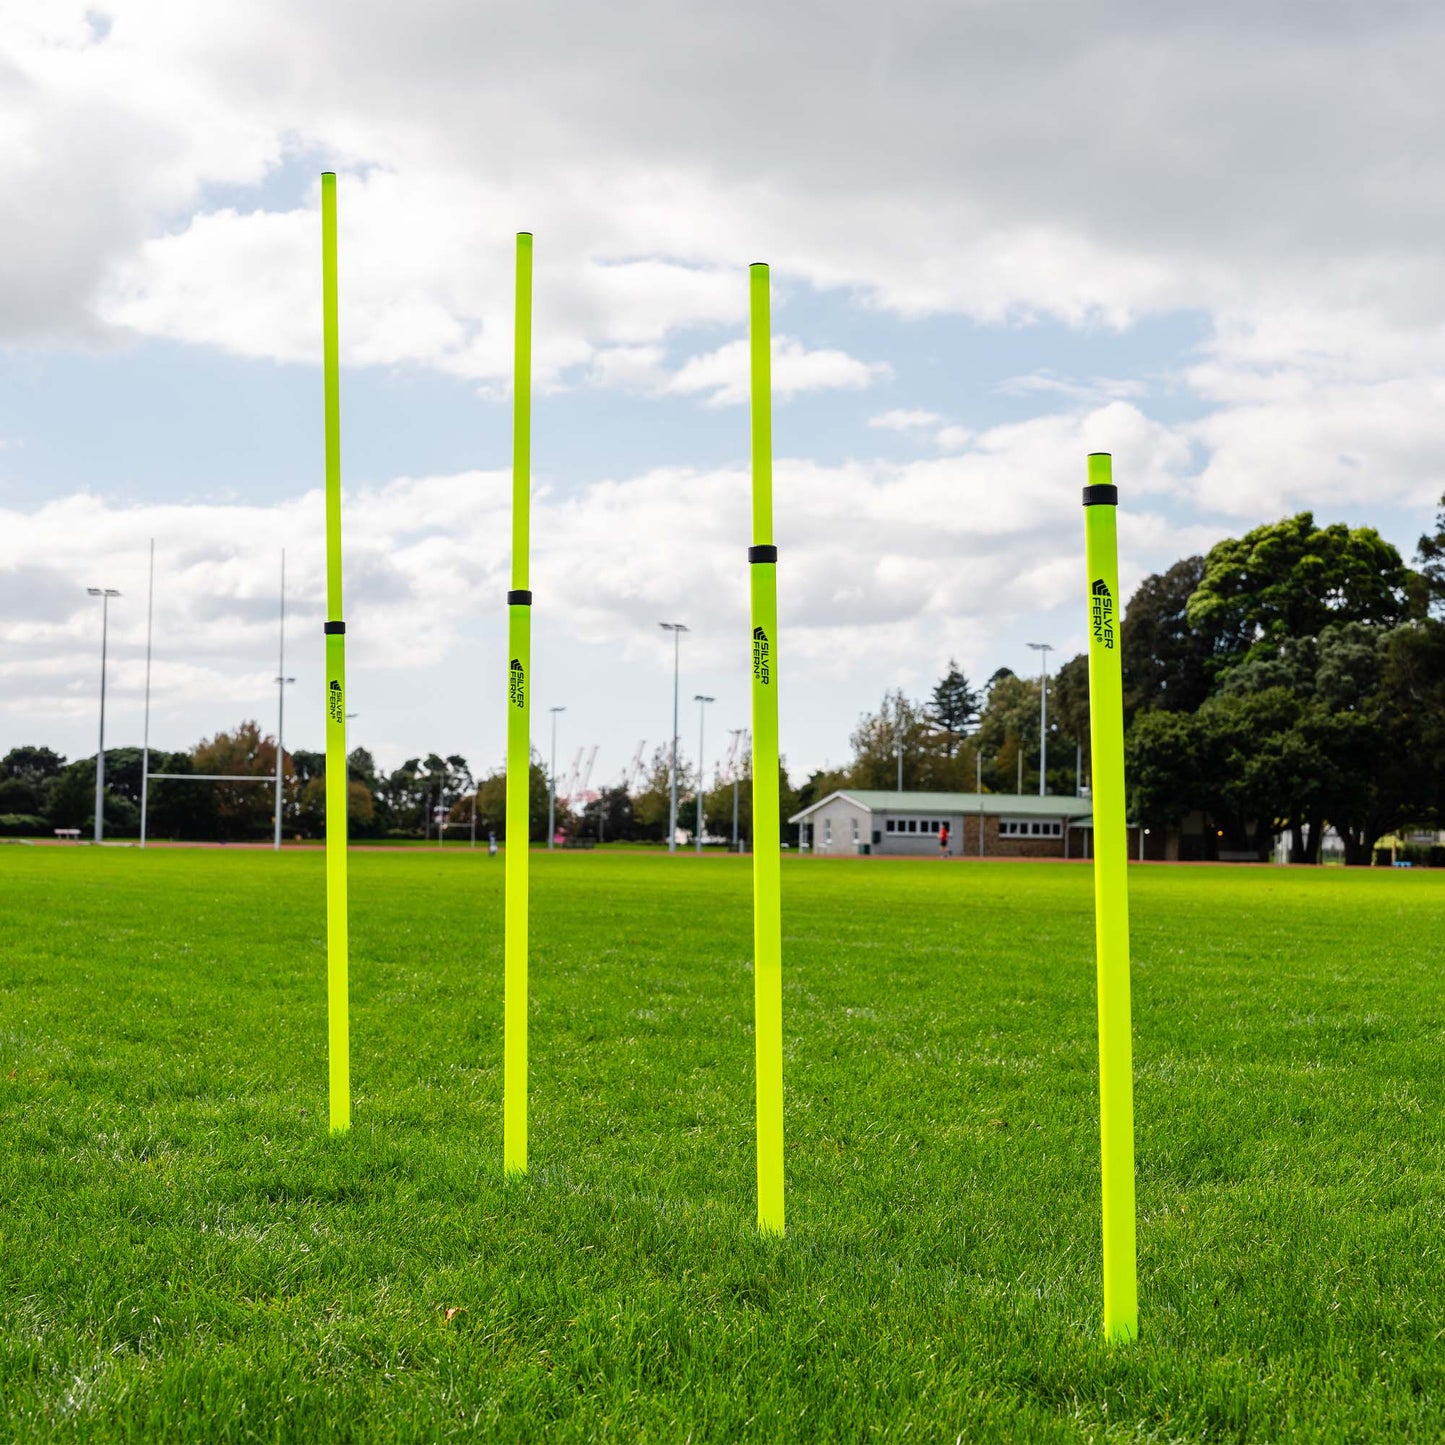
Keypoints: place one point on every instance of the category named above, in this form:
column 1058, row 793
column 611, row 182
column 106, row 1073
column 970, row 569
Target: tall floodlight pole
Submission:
column 552, row 779
column 767, row 912
column 281, row 681
column 1043, row 649
column 702, row 703
column 1111, row 902
column 145, row 743
column 736, row 733
column 519, row 734
column 338, row 1024
column 677, row 629
column 105, row 594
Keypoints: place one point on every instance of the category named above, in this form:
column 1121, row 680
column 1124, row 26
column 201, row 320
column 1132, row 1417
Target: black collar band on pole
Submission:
column 334, row 627
column 762, row 554
column 1101, row 494
column 519, row 597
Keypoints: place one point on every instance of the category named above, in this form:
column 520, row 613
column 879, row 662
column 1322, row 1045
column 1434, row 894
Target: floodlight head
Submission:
column 1042, row 646
column 698, row 697
column 102, row 591
column 673, row 626
column 556, row 709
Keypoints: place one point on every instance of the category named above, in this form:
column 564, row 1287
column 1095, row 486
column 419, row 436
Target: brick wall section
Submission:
column 996, row 847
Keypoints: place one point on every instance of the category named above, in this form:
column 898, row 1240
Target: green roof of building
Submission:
column 1025, row 805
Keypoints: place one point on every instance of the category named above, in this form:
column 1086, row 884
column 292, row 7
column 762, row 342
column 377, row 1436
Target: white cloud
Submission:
column 903, row 420
column 947, row 436
column 722, row 375
column 1093, row 392
column 641, row 141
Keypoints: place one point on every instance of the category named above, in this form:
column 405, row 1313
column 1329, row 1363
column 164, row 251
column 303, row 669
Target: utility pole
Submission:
column 552, row 792
column 677, row 629
column 1043, row 649
column 702, row 703
column 105, row 594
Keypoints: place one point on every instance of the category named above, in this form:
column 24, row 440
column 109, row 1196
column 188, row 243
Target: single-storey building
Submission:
column 988, row 825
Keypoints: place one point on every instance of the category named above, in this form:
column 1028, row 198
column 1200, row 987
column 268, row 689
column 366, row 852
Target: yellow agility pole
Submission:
column 337, row 1005
column 767, row 913
column 519, row 737
column 1111, row 902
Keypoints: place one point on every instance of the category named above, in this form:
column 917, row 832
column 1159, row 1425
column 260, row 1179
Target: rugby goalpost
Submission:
column 147, row 777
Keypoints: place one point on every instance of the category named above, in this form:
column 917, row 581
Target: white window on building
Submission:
column 855, row 830
column 1029, row 828
column 827, row 832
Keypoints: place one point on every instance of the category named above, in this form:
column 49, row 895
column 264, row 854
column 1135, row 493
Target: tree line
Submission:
column 40, row 791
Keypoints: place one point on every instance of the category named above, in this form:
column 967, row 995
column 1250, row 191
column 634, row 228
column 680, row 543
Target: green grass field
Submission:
column 187, row 1255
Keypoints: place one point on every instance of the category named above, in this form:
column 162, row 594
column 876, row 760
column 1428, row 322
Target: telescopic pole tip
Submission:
column 758, row 266
column 1101, row 489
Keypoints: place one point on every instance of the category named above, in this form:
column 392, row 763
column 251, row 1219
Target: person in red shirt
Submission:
column 943, row 840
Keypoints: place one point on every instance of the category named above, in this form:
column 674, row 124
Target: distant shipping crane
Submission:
column 565, row 792
column 633, row 775
column 728, row 770
column 585, row 793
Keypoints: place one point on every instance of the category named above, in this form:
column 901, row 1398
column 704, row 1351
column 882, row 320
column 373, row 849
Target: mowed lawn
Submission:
column 186, row 1254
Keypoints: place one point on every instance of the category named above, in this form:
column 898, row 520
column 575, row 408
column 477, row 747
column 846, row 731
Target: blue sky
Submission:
column 154, row 420
column 983, row 267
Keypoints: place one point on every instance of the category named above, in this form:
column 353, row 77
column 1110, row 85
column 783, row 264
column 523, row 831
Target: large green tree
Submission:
column 1430, row 559
column 242, row 810
column 491, row 796
column 1292, row 579
column 899, row 725
column 1069, row 715
column 1165, row 658
column 1344, row 729
column 1008, row 731
column 27, row 775
column 953, row 708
